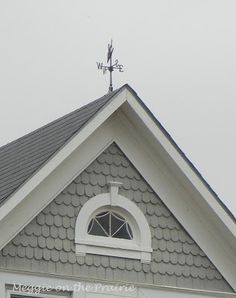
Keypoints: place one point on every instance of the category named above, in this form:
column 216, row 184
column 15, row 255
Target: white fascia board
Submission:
column 63, row 153
column 181, row 162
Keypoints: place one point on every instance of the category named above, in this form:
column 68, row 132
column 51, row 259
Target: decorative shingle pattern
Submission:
column 47, row 243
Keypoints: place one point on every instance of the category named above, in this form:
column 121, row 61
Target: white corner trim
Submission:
column 137, row 248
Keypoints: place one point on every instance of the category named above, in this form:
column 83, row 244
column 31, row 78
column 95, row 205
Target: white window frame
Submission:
column 137, row 248
column 34, row 295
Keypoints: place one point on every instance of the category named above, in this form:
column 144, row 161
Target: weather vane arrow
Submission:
column 111, row 66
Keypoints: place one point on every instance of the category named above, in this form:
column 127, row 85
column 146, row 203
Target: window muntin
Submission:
column 110, row 224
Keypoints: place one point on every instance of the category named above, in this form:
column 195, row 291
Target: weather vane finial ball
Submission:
column 111, row 67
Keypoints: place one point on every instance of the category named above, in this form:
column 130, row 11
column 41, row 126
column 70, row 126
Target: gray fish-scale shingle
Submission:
column 48, row 241
column 23, row 157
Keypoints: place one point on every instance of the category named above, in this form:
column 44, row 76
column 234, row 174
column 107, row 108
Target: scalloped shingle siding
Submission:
column 47, row 243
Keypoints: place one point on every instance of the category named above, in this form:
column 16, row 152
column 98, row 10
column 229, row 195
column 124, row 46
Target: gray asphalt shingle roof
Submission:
column 24, row 156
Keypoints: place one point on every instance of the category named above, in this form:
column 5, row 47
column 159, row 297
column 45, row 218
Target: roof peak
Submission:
column 108, row 94
column 20, row 158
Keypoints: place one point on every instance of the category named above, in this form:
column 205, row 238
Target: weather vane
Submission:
column 111, row 67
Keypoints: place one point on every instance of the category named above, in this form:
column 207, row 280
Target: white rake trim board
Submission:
column 48, row 189
column 184, row 166
column 62, row 154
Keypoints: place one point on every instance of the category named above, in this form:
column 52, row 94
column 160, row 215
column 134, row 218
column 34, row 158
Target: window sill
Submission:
column 130, row 251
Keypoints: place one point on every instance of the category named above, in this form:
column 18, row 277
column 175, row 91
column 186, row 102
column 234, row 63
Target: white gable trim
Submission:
column 54, row 183
column 86, row 146
column 181, row 162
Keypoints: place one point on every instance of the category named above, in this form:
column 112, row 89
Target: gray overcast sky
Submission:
column 178, row 55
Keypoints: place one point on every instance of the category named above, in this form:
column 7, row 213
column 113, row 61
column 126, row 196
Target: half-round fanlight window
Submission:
column 110, row 224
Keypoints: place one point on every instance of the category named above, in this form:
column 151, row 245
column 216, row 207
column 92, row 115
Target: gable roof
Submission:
column 118, row 115
column 21, row 158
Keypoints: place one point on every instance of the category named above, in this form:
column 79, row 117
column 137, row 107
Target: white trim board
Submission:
column 49, row 188
column 157, row 132
column 142, row 290
column 158, row 162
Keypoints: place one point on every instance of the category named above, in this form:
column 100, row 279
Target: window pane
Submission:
column 129, row 231
column 122, row 233
column 96, row 229
column 116, row 223
column 90, row 225
column 103, row 219
column 118, row 216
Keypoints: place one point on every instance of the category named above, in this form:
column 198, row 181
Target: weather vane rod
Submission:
column 110, row 67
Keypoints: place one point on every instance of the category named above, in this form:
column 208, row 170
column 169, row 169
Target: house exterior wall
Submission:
column 46, row 245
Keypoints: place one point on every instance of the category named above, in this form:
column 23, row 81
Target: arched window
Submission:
column 110, row 224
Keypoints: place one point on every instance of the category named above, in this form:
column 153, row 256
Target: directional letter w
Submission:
column 100, row 65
